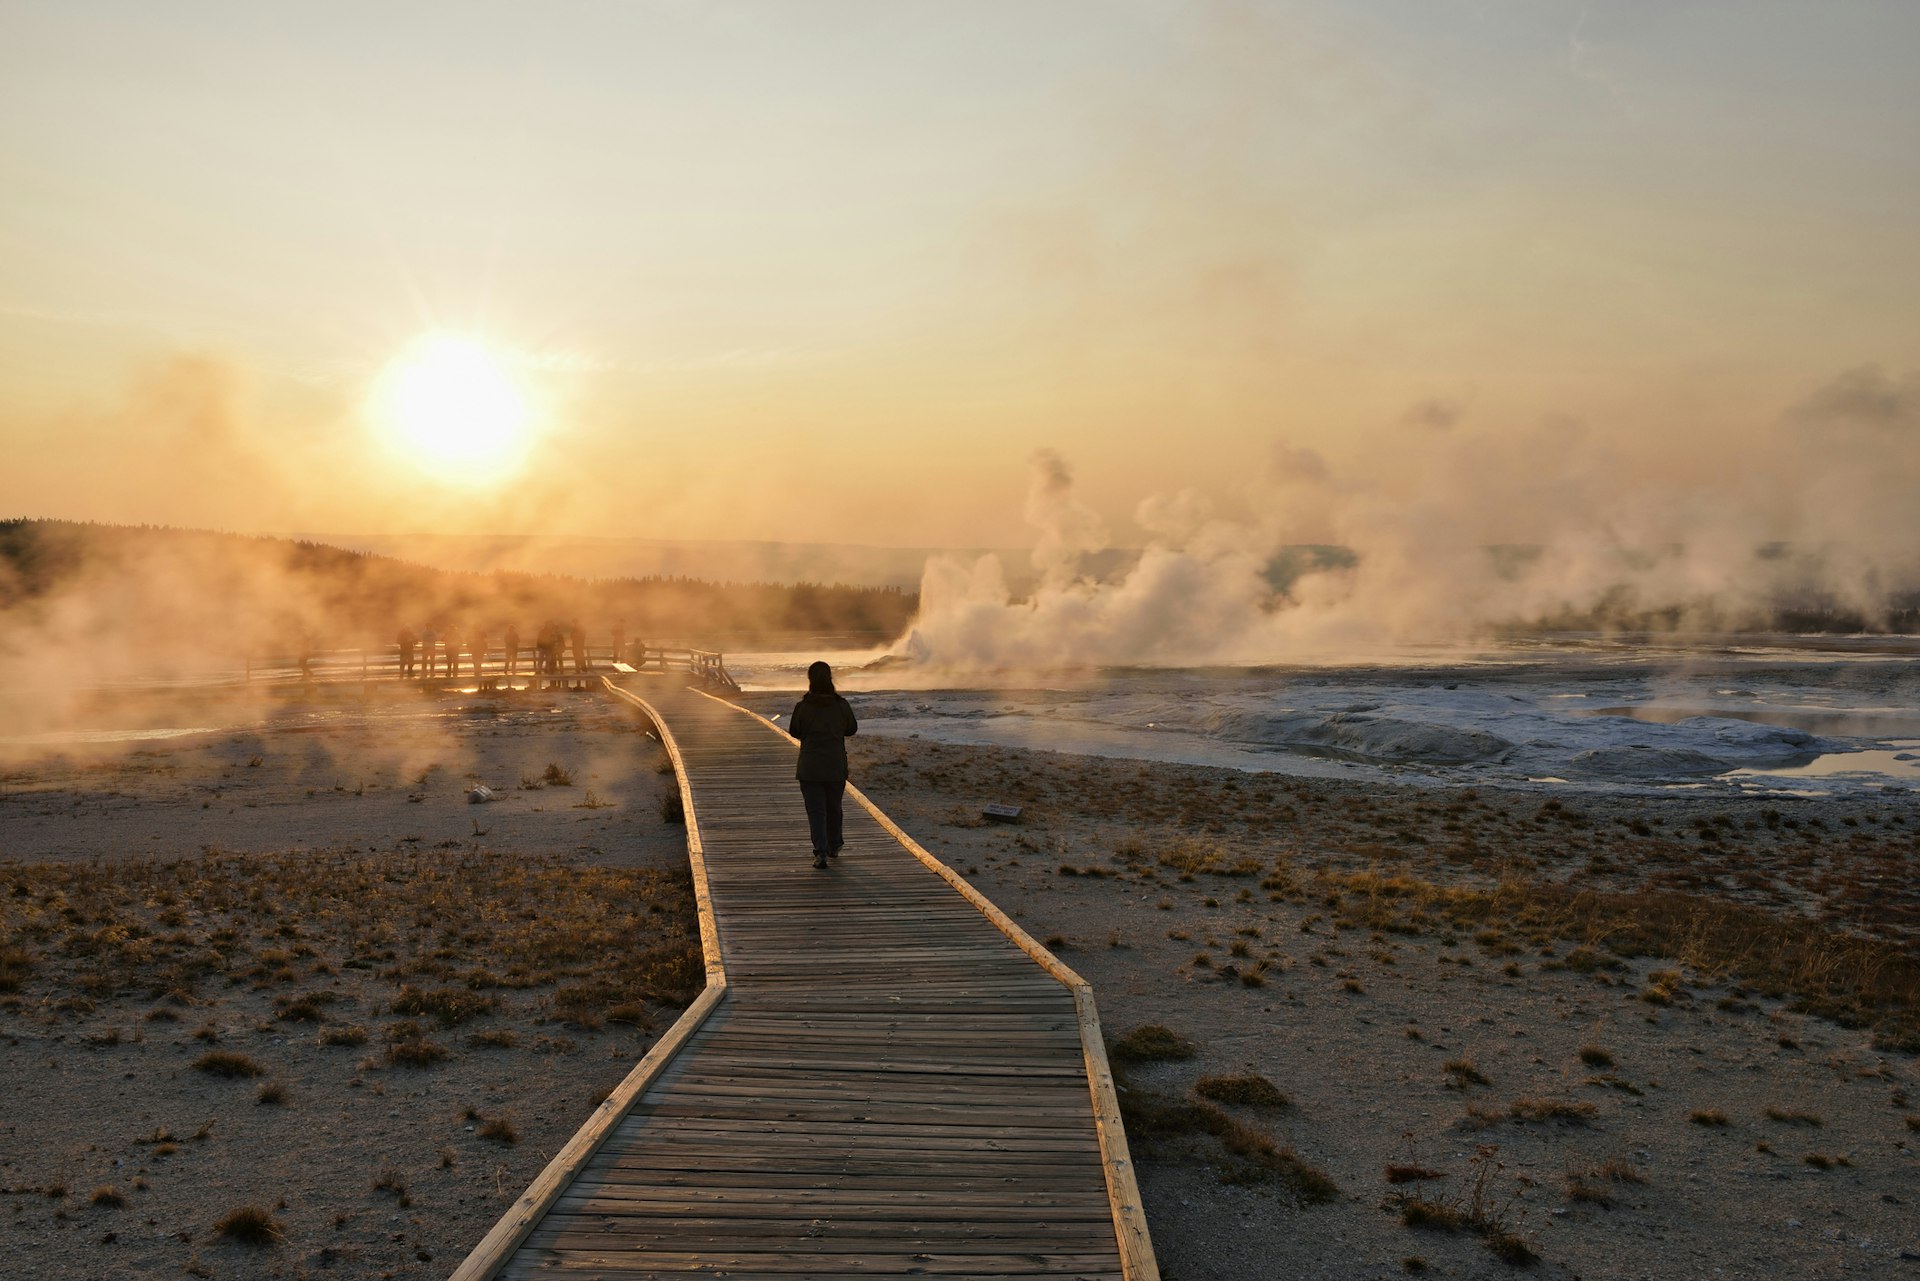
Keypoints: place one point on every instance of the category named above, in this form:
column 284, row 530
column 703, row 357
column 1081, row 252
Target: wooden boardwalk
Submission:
column 884, row 1077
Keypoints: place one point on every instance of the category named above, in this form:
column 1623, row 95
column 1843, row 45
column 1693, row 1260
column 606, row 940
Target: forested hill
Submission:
column 163, row 589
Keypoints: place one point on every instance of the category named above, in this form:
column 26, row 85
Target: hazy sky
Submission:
column 834, row 271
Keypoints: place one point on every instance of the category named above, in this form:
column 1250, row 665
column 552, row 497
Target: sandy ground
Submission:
column 1404, row 1046
column 338, row 773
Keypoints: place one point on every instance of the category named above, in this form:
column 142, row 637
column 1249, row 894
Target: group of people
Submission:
column 439, row 645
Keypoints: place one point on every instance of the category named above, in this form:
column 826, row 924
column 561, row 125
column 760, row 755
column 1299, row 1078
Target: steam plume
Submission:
column 1808, row 522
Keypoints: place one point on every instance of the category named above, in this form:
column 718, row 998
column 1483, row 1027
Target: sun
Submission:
column 451, row 406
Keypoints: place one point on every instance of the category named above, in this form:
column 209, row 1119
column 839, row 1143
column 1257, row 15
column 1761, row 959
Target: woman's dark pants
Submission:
column 823, row 814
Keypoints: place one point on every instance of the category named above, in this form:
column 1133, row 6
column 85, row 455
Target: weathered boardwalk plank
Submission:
column 885, row 1076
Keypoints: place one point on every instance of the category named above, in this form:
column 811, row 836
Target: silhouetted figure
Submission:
column 477, row 645
column 453, row 652
column 823, row 722
column 546, row 650
column 407, row 642
column 512, row 643
column 578, row 635
column 429, row 648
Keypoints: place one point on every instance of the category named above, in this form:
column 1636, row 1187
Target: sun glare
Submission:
column 450, row 405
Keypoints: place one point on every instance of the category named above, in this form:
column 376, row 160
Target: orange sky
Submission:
column 835, row 271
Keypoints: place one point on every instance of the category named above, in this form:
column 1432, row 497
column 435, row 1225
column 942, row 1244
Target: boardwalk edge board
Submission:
column 1123, row 1189
column 696, row 850
column 498, row 1246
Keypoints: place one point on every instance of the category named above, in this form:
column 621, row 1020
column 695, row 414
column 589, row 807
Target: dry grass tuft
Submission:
column 1245, row 1090
column 1708, row 1117
column 1593, row 1193
column 249, row 1225
column 1618, row 1169
column 1539, row 1109
column 228, row 1063
column 1151, row 1043
column 500, row 1129
column 1593, row 1182
column 448, row 1006
column 1480, row 1117
column 1411, row 1174
column 1789, row 1116
column 1662, row 987
column 306, row 1008
column 1476, row 1210
column 1201, row 1133
column 108, row 1196
column 1418, row 1213
column 415, row 1052
column 16, row 964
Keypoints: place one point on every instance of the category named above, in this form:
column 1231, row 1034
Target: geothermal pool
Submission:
column 1823, row 716
column 1777, row 714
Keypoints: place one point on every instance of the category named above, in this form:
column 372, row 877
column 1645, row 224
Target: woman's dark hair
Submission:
column 819, row 679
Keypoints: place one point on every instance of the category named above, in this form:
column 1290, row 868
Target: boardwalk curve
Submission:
column 885, row 1076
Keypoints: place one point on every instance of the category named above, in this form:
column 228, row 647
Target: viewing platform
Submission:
column 493, row 669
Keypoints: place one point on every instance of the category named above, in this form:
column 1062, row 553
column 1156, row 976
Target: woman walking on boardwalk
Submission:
column 823, row 722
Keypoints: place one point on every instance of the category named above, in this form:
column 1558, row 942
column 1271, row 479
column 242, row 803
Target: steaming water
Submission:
column 1773, row 714
column 86, row 737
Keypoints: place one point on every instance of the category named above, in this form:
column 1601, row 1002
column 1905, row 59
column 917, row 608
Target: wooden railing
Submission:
column 708, row 665
column 491, row 667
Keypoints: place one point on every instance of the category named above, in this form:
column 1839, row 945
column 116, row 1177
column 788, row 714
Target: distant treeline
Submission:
column 1805, row 612
column 152, row 585
column 1817, row 619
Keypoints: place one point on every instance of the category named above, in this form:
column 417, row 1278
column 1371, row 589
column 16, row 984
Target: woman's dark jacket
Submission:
column 823, row 723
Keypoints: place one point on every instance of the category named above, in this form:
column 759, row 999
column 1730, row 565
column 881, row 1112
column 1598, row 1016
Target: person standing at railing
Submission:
column 512, row 643
column 407, row 641
column 823, row 722
column 546, row 650
column 429, row 649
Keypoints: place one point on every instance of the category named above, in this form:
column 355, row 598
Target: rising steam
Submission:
column 1807, row 523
